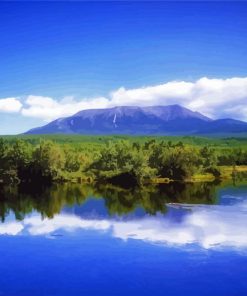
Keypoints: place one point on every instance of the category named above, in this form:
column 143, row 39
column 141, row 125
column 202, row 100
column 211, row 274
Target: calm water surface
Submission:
column 78, row 240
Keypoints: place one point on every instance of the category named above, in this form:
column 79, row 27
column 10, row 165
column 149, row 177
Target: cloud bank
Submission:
column 217, row 98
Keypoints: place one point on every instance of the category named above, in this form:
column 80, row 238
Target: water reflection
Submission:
column 204, row 226
column 174, row 214
column 49, row 201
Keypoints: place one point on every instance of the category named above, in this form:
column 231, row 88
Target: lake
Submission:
column 173, row 239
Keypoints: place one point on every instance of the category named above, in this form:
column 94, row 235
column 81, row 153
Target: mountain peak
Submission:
column 135, row 120
column 169, row 112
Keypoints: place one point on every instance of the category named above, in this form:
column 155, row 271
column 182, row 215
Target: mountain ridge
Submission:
column 135, row 120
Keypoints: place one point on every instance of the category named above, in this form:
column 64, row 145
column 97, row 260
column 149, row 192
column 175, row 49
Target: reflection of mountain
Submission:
column 108, row 200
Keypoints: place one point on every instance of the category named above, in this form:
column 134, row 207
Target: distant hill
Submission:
column 155, row 120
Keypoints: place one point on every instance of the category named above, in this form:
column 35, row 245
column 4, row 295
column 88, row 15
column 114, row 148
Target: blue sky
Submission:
column 81, row 51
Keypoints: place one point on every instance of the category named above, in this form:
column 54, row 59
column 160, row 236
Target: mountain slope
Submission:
column 156, row 120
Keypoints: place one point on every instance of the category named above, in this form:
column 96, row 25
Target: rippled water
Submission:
column 172, row 239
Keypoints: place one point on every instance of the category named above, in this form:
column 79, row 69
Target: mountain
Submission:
column 155, row 120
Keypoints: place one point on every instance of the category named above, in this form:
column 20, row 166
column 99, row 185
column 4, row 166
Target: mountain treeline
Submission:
column 121, row 162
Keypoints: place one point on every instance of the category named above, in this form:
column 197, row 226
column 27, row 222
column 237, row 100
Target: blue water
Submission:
column 189, row 250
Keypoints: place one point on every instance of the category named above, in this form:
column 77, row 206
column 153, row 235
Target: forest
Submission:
column 124, row 161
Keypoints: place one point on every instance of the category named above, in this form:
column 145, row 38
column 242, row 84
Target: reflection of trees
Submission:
column 153, row 199
column 49, row 201
column 191, row 193
column 120, row 201
column 239, row 177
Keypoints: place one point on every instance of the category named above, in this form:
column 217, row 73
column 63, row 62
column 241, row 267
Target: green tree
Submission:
column 209, row 161
column 174, row 162
column 48, row 160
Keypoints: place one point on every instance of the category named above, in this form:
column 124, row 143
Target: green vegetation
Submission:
column 119, row 160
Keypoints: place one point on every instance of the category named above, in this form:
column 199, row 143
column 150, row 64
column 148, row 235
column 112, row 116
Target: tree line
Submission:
column 122, row 161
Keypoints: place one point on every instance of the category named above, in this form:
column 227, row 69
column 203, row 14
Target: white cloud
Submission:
column 217, row 98
column 48, row 109
column 213, row 97
column 164, row 94
column 10, row 105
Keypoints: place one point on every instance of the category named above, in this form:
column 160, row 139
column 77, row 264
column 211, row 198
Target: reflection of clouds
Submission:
column 207, row 226
column 228, row 199
column 64, row 222
column 11, row 228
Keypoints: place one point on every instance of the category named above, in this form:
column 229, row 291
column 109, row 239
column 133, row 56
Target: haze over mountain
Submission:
column 131, row 120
